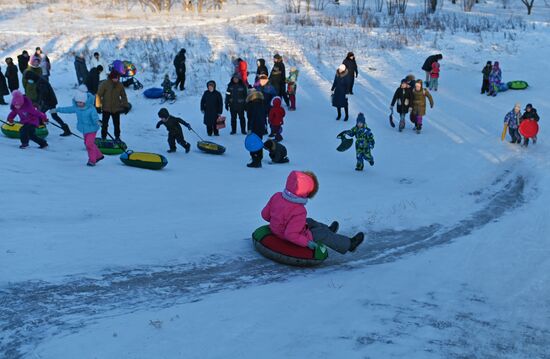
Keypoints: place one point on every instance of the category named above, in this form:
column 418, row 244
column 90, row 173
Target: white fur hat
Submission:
column 342, row 68
column 80, row 96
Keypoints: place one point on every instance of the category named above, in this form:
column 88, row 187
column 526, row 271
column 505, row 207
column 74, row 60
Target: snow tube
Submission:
column 13, row 131
column 153, row 92
column 253, row 143
column 110, row 147
column 502, row 87
column 129, row 69
column 517, row 85
column 151, row 161
column 117, row 66
column 210, row 147
column 529, row 128
column 285, row 252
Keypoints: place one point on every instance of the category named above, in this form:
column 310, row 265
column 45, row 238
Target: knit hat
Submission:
column 80, row 96
column 293, row 69
column 263, row 77
column 361, row 118
column 517, row 105
column 404, row 81
column 163, row 113
column 342, row 68
column 211, row 83
column 276, row 101
column 277, row 57
column 114, row 75
column 528, row 107
column 17, row 98
column 489, row 63
column 83, row 88
column 35, row 59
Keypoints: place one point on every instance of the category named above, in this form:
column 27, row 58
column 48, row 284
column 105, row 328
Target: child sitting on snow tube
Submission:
column 287, row 217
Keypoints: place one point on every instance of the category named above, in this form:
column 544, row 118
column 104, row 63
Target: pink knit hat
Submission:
column 17, row 98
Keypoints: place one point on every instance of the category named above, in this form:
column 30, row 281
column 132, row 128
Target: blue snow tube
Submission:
column 502, row 87
column 253, row 143
column 153, row 92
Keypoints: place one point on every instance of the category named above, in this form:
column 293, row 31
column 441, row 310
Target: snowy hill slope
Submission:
column 114, row 262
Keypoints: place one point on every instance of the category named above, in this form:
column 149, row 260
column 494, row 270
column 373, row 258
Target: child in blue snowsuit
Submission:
column 364, row 142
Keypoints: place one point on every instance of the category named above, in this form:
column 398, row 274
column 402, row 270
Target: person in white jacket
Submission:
column 95, row 62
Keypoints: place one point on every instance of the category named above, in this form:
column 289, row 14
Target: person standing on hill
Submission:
column 278, row 78
column 427, row 67
column 340, row 88
column 235, row 100
column 3, row 88
column 23, row 61
column 486, row 73
column 111, row 101
column 28, row 83
column 495, row 78
column 351, row 66
column 403, row 98
column 96, row 62
column 94, row 78
column 45, row 64
column 81, row 69
column 179, row 65
column 11, row 75
column 261, row 69
column 211, row 107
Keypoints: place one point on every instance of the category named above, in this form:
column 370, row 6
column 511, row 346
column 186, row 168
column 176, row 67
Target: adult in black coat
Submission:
column 11, row 75
column 81, row 69
column 179, row 65
column 255, row 111
column 92, row 81
column 351, row 66
column 277, row 152
column 278, row 77
column 46, row 99
column 261, row 69
column 403, row 98
column 267, row 90
column 3, row 88
column 211, row 107
column 235, row 100
column 23, row 61
column 427, row 67
column 340, row 87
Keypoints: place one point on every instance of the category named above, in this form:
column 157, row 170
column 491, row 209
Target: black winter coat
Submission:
column 173, row 125
column 278, row 154
column 340, row 86
column 403, row 98
column 81, row 69
column 430, row 60
column 235, row 96
column 3, row 85
column 23, row 62
column 278, row 78
column 486, row 72
column 261, row 69
column 211, row 106
column 46, row 95
column 531, row 115
column 255, row 112
column 13, row 78
column 351, row 66
column 92, row 82
column 179, row 62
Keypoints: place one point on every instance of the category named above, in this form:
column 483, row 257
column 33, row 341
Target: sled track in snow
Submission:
column 33, row 310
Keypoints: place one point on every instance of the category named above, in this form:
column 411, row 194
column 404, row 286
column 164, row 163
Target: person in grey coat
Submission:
column 80, row 68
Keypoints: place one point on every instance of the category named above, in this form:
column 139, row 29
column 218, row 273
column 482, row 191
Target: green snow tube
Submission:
column 150, row 161
column 110, row 147
column 285, row 252
column 517, row 85
column 13, row 130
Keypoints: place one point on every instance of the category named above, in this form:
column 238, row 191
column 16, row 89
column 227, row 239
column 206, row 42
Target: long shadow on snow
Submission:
column 33, row 310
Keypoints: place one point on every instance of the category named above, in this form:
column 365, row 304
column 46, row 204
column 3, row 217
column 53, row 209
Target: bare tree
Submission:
column 391, row 6
column 529, row 5
column 468, row 5
column 431, row 6
column 358, row 7
column 402, row 6
column 378, row 5
column 293, row 6
column 320, row 4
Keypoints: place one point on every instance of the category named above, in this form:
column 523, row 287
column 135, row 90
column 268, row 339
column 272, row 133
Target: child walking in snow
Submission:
column 287, row 217
column 29, row 117
column 529, row 114
column 277, row 152
column 175, row 133
column 87, row 122
column 276, row 118
column 167, row 92
column 364, row 142
column 419, row 96
column 512, row 119
column 292, row 80
column 434, row 76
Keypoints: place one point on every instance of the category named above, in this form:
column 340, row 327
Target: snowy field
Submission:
column 120, row 262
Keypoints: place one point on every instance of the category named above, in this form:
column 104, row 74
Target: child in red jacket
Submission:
column 287, row 217
column 276, row 118
column 434, row 76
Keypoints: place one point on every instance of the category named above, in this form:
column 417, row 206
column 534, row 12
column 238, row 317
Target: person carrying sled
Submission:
column 529, row 114
column 11, row 75
column 292, row 86
column 87, row 122
column 403, row 98
column 29, row 117
column 235, row 101
column 46, row 99
column 167, row 93
column 277, row 152
column 486, row 73
column 211, row 107
column 427, row 66
column 287, row 217
column 419, row 96
column 276, row 118
column 512, row 120
column 111, row 101
column 364, row 142
column 175, row 133
column 340, row 88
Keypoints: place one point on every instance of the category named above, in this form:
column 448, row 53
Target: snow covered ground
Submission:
column 118, row 262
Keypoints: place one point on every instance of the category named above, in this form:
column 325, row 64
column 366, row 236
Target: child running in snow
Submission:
column 364, row 142
column 434, row 76
column 29, row 117
column 512, row 119
column 292, row 86
column 87, row 122
column 277, row 152
column 287, row 217
column 167, row 91
column 175, row 133
column 276, row 118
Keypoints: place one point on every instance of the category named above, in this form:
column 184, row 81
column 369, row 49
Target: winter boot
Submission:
column 359, row 166
column 187, row 147
column 334, row 226
column 66, row 130
column 24, row 145
column 356, row 241
column 90, row 164
column 401, row 125
column 172, row 150
column 45, row 145
column 254, row 164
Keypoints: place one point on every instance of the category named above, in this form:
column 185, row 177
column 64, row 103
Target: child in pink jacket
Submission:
column 287, row 217
column 29, row 117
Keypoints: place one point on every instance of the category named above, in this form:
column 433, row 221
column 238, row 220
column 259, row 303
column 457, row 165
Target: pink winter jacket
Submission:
column 28, row 115
column 286, row 211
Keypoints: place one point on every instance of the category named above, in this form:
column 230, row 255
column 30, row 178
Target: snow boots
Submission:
column 66, row 130
column 334, row 226
column 355, row 241
column 256, row 159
